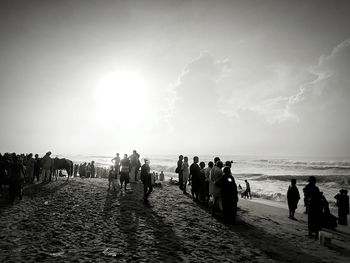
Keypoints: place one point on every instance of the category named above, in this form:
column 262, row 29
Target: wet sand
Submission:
column 80, row 221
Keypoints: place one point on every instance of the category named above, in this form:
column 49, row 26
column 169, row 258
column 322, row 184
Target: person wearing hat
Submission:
column 146, row 179
column 343, row 206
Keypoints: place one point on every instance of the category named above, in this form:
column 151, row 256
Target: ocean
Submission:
column 269, row 177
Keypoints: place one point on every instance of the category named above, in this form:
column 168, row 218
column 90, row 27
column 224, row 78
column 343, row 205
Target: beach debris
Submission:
column 112, row 252
column 57, row 254
column 46, row 202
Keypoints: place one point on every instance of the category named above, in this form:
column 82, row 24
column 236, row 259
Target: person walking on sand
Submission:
column 247, row 192
column 185, row 173
column 179, row 171
column 146, row 179
column 293, row 198
column 124, row 172
column 195, row 174
column 343, row 206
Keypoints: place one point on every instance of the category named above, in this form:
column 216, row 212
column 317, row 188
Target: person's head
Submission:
column 125, row 156
column 36, row 156
column 186, row 159
column 195, row 159
column 161, row 172
column 14, row 157
column 48, row 153
column 181, row 157
column 293, row 181
column 228, row 163
column 216, row 159
column 202, row 165
column 30, row 155
column 117, row 154
column 92, row 162
column 246, row 181
column 112, row 167
column 220, row 164
column 147, row 161
column 211, row 164
column 312, row 180
column 133, row 151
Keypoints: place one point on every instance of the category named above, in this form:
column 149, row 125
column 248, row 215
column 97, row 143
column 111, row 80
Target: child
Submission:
column 293, row 198
column 111, row 178
column 343, row 206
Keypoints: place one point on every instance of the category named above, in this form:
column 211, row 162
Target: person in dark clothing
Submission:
column 328, row 220
column 146, row 179
column 195, row 178
column 229, row 195
column 201, row 183
column 314, row 204
column 293, row 198
column 124, row 171
column 37, row 167
column 308, row 189
column 179, row 171
column 17, row 175
column 343, row 206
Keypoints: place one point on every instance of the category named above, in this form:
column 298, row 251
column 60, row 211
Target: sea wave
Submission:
column 339, row 179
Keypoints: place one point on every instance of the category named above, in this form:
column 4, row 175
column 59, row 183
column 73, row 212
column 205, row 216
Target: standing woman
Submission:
column 229, row 194
column 124, row 171
column 185, row 173
column 293, row 198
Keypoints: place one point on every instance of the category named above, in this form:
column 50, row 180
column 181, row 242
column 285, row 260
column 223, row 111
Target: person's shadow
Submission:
column 138, row 222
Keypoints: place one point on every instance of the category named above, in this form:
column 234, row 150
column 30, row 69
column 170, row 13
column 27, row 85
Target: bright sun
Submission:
column 123, row 97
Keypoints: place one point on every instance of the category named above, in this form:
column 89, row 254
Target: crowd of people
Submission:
column 317, row 206
column 213, row 182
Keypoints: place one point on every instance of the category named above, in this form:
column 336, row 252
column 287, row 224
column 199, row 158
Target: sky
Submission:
column 252, row 77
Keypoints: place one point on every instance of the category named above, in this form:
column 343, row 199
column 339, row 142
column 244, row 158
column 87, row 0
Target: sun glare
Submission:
column 123, row 97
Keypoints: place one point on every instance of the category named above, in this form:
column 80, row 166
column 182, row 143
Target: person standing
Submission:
column 16, row 178
column 30, row 168
column 217, row 174
column 47, row 165
column 37, row 167
column 116, row 161
column 247, row 192
column 135, row 163
column 146, row 178
column 92, row 169
column 343, row 206
column 293, row 198
column 185, row 173
column 207, row 174
column 112, row 178
column 314, row 204
column 124, row 171
column 179, row 171
column 195, row 174
column 229, row 194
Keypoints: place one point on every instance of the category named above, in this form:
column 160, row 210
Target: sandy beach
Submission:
column 80, row 221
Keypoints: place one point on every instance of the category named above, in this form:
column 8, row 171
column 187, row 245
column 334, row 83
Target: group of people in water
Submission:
column 317, row 206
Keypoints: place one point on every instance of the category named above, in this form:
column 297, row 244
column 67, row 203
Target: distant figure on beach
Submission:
column 16, row 178
column 161, row 176
column 202, row 191
column 179, row 171
column 343, row 206
column 92, row 169
column 293, row 198
column 124, row 172
column 195, row 178
column 229, row 194
column 247, row 192
column 185, row 173
column 116, row 161
column 135, row 164
column 46, row 162
column 146, row 178
column 112, row 178
column 29, row 164
column 217, row 174
column 88, row 170
column 75, row 170
column 314, row 204
column 207, row 192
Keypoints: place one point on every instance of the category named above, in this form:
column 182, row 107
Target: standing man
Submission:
column 247, row 189
column 124, row 172
column 146, row 179
column 47, row 164
column 179, row 171
column 195, row 174
column 116, row 161
column 135, row 163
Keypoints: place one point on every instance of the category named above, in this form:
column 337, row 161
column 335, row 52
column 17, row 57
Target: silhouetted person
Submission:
column 37, row 167
column 134, row 163
column 161, row 176
column 308, row 189
column 229, row 194
column 29, row 164
column 46, row 166
column 240, row 187
column 328, row 220
column 195, row 178
column 16, row 178
column 185, row 174
column 116, row 161
column 179, row 171
column 146, row 178
column 293, row 198
column 201, row 183
column 124, row 172
column 92, row 169
column 314, row 204
column 343, row 206
column 247, row 192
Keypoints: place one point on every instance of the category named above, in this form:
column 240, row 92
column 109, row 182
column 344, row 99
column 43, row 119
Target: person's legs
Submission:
column 184, row 186
column 180, row 180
